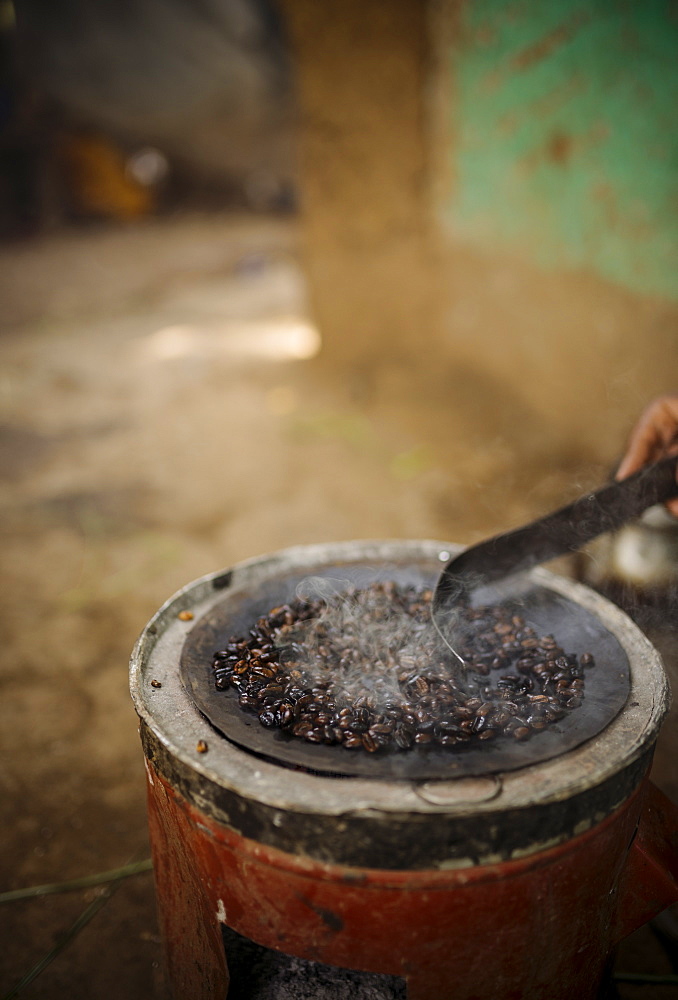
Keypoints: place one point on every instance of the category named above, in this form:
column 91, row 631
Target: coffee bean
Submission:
column 423, row 738
column 312, row 691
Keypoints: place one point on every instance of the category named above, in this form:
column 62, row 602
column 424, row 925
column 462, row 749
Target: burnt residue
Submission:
column 331, row 919
column 222, row 581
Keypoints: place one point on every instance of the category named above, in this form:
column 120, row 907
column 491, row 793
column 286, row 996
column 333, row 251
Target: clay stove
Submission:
column 510, row 871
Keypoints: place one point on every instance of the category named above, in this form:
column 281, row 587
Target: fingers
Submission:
column 655, row 435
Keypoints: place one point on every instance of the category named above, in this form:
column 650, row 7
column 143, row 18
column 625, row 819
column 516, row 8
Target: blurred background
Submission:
column 277, row 273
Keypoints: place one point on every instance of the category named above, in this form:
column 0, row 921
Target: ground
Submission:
column 162, row 416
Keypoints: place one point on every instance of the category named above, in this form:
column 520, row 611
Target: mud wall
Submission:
column 361, row 69
column 489, row 189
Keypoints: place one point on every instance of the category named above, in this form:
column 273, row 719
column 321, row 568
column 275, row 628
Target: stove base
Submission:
column 540, row 927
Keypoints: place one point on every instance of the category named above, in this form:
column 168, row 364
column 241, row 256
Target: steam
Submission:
column 370, row 644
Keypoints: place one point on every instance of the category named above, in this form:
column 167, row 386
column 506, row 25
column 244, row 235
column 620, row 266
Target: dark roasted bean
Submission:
column 447, row 741
column 382, row 727
column 272, row 692
column 423, row 738
column 447, row 726
column 262, row 669
column 504, row 629
column 301, row 727
column 308, row 690
column 403, row 737
column 285, row 714
column 462, row 712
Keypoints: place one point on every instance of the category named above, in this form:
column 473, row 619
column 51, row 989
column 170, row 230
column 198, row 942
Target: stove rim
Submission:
column 226, row 766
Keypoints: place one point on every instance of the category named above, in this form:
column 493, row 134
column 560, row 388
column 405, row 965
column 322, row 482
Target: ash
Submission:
column 259, row 973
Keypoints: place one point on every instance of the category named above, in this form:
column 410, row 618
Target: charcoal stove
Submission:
column 503, row 870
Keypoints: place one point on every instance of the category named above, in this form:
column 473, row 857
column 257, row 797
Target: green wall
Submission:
column 564, row 135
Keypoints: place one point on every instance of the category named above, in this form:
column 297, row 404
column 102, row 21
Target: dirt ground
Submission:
column 162, row 416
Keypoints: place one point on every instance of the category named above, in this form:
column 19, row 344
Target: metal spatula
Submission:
column 563, row 531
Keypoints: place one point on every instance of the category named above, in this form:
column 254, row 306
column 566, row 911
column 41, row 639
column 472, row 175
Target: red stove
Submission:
column 501, row 871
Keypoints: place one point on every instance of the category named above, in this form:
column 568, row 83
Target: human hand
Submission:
column 655, row 436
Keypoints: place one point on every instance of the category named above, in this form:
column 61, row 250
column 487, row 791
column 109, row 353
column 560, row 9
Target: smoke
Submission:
column 371, row 644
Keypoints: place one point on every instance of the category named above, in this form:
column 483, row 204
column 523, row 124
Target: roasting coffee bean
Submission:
column 333, row 691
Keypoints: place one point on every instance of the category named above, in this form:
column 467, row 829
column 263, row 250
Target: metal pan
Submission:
column 576, row 629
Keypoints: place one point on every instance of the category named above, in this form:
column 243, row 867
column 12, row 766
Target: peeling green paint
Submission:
column 565, row 135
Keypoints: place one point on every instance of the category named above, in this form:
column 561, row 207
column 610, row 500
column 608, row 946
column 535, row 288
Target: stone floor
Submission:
column 162, row 415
